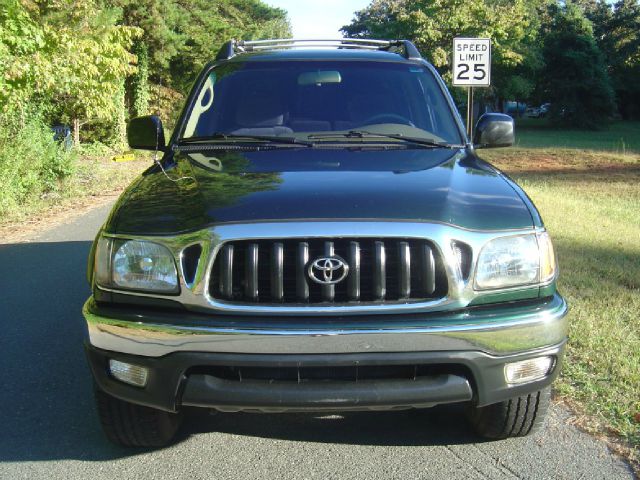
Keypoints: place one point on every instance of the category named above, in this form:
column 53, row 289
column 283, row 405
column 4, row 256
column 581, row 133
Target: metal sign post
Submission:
column 470, row 112
column 471, row 68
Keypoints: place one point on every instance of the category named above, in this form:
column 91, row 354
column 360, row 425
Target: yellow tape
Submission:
column 124, row 157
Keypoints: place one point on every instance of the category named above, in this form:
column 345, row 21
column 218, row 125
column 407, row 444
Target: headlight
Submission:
column 516, row 260
column 135, row 265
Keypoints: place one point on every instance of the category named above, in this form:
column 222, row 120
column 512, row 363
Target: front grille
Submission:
column 276, row 271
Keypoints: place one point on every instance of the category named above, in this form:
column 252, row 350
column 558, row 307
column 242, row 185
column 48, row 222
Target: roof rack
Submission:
column 403, row 47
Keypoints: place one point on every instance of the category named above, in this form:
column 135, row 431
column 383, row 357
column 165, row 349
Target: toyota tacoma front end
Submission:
column 320, row 235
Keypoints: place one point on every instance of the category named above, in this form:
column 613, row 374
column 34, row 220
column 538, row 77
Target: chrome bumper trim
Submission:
column 499, row 331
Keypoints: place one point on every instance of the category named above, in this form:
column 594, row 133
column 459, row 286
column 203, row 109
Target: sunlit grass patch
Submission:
column 590, row 202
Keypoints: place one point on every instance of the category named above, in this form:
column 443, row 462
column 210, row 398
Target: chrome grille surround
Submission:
column 195, row 296
column 385, row 270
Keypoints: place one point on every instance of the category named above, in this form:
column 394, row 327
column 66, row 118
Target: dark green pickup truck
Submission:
column 319, row 235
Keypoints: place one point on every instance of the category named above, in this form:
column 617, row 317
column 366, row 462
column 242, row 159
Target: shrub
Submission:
column 32, row 163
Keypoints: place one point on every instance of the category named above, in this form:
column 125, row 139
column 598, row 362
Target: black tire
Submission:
column 516, row 417
column 132, row 425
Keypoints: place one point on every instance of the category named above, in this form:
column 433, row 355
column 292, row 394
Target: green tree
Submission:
column 69, row 57
column 208, row 25
column 140, row 80
column 616, row 29
column 575, row 78
column 27, row 48
column 162, row 22
column 433, row 24
column 94, row 59
column 182, row 35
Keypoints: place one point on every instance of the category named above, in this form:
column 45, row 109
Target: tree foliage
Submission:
column 140, row 81
column 26, row 50
column 67, row 57
column 207, row 25
column 182, row 35
column 616, row 29
column 569, row 53
column 72, row 57
column 575, row 77
column 94, row 63
column 433, row 24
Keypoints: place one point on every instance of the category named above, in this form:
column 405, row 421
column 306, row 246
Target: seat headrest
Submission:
column 362, row 107
column 259, row 110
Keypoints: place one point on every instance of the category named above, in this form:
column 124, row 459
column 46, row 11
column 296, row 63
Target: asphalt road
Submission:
column 49, row 429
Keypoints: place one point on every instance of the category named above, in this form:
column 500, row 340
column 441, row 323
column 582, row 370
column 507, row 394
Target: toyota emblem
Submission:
column 328, row 270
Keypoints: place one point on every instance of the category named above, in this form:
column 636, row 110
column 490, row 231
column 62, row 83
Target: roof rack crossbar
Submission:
column 248, row 43
column 342, row 45
column 233, row 47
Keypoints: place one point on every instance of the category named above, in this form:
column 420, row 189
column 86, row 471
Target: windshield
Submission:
column 303, row 99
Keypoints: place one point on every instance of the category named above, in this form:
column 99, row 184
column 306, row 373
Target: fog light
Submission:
column 528, row 370
column 127, row 373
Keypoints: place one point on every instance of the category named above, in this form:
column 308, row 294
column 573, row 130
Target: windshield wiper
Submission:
column 395, row 136
column 233, row 138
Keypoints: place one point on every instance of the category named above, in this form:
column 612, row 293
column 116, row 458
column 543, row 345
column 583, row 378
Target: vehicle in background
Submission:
column 544, row 109
column 533, row 112
column 514, row 109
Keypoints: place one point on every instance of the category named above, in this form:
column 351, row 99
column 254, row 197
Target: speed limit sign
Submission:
column 471, row 62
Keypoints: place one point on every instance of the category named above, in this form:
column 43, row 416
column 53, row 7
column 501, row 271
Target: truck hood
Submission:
column 423, row 185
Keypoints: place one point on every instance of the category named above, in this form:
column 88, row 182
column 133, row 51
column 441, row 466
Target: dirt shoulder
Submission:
column 98, row 182
column 24, row 230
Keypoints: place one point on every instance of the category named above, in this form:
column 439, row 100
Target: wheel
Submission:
column 133, row 425
column 515, row 417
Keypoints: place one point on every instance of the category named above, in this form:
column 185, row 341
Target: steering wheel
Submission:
column 388, row 118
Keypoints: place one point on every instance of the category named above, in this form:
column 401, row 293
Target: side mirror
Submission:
column 494, row 130
column 146, row 133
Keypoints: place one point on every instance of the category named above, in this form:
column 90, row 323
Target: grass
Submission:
column 95, row 174
column 590, row 202
column 619, row 137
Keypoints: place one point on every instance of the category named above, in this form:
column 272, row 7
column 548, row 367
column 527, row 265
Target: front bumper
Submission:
column 501, row 329
column 464, row 353
column 188, row 379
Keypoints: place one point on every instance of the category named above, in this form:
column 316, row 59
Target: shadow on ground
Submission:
column 443, row 425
